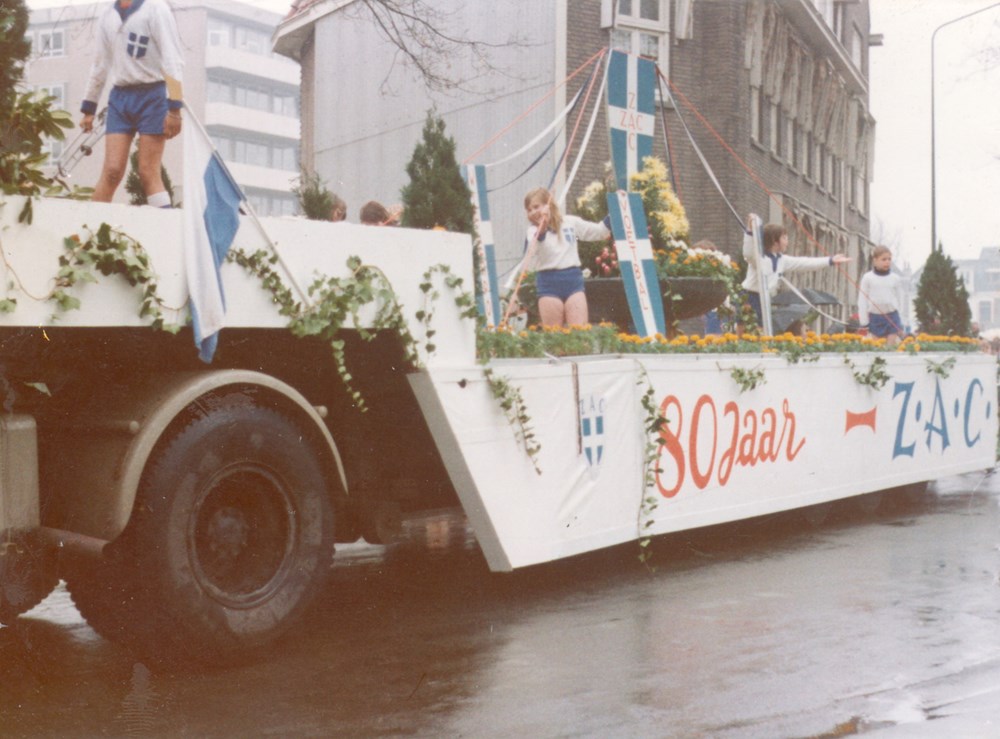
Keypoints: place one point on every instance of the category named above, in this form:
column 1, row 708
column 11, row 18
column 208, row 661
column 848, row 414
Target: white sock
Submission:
column 159, row 199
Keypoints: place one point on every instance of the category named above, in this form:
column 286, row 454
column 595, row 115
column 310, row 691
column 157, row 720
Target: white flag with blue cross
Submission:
column 631, row 113
column 635, row 259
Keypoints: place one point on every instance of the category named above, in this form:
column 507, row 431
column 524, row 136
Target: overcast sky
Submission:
column 967, row 124
column 967, row 113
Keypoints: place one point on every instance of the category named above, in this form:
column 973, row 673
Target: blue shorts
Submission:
column 881, row 325
column 559, row 283
column 137, row 108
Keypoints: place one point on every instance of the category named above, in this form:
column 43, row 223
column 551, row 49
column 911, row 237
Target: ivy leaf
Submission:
column 65, row 301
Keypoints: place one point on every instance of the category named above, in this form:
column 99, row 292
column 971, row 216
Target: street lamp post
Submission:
column 933, row 138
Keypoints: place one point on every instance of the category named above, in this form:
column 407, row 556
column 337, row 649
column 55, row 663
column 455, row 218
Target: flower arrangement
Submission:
column 606, row 339
column 668, row 231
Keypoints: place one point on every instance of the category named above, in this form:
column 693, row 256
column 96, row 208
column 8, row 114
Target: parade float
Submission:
column 192, row 504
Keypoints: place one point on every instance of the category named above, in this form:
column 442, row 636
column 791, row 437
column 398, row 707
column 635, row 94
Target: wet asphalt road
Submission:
column 884, row 623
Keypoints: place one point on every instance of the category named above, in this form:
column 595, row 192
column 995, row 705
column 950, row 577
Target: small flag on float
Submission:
column 211, row 219
column 635, row 259
column 488, row 292
column 631, row 113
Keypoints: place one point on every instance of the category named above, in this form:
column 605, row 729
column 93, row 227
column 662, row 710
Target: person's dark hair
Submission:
column 373, row 213
column 773, row 233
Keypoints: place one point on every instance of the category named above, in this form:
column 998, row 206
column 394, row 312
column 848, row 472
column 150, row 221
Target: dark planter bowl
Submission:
column 606, row 300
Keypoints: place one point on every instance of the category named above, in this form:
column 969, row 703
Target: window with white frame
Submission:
column 755, row 114
column 50, row 43
column 641, row 27
column 862, row 187
column 788, row 139
column 254, row 40
column 777, row 130
column 220, row 33
column 826, row 9
column 272, row 155
column 857, row 47
column 798, row 147
column 773, row 128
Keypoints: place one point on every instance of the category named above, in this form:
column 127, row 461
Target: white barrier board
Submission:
column 810, row 434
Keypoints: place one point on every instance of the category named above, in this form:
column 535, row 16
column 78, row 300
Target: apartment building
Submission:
column 246, row 96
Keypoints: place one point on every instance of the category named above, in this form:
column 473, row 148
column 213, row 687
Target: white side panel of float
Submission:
column 810, row 434
column 520, row 516
column 309, row 248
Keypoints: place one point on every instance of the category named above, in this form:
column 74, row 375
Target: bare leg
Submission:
column 116, row 146
column 150, row 159
column 552, row 311
column 576, row 309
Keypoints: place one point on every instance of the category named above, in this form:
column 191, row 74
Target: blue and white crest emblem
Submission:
column 592, row 431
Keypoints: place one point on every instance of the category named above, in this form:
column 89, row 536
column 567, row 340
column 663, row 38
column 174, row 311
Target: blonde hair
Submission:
column 879, row 250
column 543, row 195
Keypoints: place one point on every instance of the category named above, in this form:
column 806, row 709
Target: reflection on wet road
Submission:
column 885, row 621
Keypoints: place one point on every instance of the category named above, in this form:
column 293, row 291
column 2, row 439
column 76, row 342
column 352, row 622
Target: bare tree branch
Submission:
column 427, row 40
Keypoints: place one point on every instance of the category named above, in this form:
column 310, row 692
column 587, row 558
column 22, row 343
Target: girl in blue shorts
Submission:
column 551, row 250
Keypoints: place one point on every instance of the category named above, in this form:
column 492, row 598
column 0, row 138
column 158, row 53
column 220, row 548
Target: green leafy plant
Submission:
column 874, row 377
column 27, row 121
column 436, row 196
column 315, row 199
column 14, row 47
column 512, row 404
column 942, row 369
column 942, row 301
column 747, row 378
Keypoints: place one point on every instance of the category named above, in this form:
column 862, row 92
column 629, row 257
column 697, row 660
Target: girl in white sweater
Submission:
column 559, row 278
column 881, row 297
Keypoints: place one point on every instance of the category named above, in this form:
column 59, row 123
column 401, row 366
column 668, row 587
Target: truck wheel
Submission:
column 27, row 576
column 231, row 537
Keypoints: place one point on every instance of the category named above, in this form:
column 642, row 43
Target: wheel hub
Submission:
column 242, row 535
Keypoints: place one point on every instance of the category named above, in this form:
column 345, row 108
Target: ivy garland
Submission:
column 747, row 379
column 652, row 427
column 338, row 298
column 512, row 404
column 875, row 377
column 108, row 251
column 334, row 301
column 942, row 369
column 463, row 300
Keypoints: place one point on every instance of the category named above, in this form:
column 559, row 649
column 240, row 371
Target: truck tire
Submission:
column 230, row 539
column 27, row 576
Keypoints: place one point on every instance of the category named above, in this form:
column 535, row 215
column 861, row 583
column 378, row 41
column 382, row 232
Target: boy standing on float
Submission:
column 139, row 51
